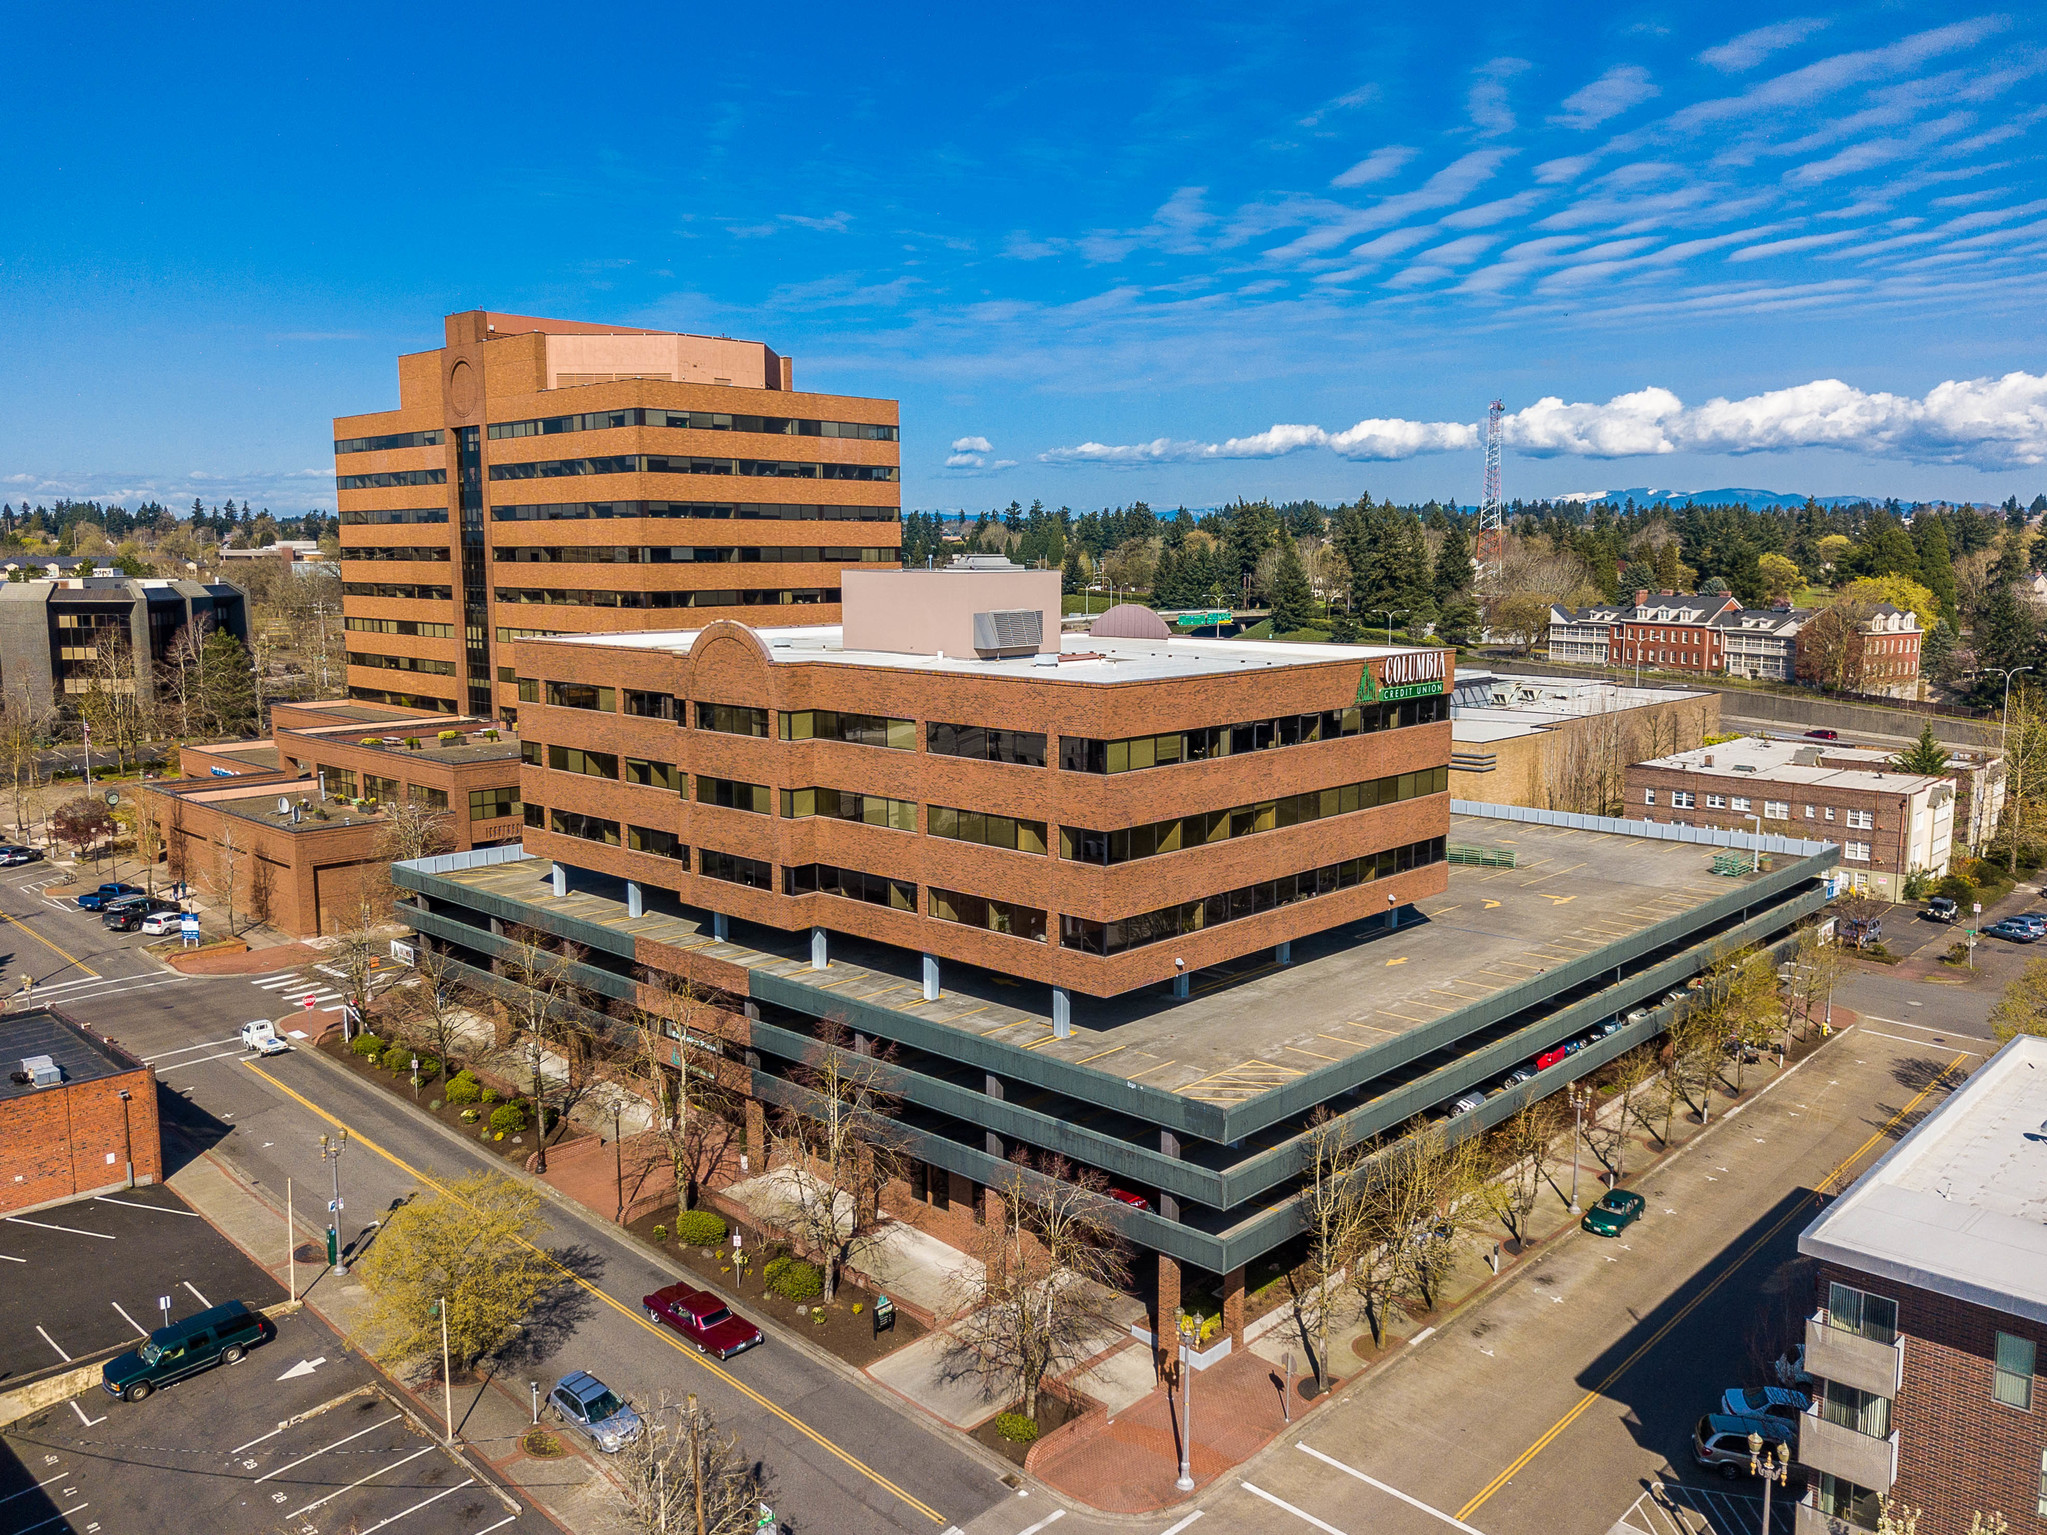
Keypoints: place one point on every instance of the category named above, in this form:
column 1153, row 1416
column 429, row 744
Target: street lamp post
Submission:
column 1577, row 1129
column 618, row 1161
column 1188, row 1334
column 1772, row 1469
column 447, row 1374
column 127, row 1138
column 330, row 1153
column 1389, row 614
column 2004, row 751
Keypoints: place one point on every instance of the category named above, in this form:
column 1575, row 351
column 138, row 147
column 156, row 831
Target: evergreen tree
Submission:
column 1253, row 528
column 1926, row 755
column 2005, row 633
column 1345, row 629
column 1668, row 576
column 1293, row 600
column 1407, row 569
column 1457, row 621
column 1936, row 563
column 1886, row 550
column 1450, row 578
column 1937, row 651
column 1072, row 574
column 226, row 699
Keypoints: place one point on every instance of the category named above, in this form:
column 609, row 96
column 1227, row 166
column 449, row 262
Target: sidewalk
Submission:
column 491, row 1418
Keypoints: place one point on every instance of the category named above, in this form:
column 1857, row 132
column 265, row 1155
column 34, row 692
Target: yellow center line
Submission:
column 628, row 1312
column 1798, row 1209
column 39, row 938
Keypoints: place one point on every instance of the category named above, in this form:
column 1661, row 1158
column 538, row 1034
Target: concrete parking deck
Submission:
column 1256, row 1024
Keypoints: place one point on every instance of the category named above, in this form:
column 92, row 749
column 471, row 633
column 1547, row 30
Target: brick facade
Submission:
column 1960, row 1450
column 61, row 1142
column 554, row 573
column 730, row 664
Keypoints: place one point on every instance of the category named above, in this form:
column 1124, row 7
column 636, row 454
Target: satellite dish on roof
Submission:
column 283, row 805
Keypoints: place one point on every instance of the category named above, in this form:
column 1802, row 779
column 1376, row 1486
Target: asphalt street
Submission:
column 843, row 1458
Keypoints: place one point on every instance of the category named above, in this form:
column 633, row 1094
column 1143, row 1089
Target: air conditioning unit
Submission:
column 1009, row 631
column 42, row 1071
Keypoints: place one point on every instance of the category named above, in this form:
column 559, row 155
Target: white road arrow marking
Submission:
column 303, row 1367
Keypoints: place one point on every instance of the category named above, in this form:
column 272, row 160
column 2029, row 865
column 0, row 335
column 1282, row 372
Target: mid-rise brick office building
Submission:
column 546, row 476
column 1147, row 902
column 1930, row 1318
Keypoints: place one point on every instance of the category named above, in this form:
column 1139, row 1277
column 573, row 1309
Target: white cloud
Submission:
column 1348, row 101
column 1376, row 166
column 1796, row 243
column 972, row 445
column 965, row 461
column 1751, row 48
column 1990, row 423
column 1487, row 102
column 1623, row 86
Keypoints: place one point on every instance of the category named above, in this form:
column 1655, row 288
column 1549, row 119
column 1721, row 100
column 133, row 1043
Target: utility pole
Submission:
column 1577, row 1129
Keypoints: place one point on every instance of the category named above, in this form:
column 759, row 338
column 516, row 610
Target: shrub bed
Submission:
column 700, row 1228
column 793, row 1279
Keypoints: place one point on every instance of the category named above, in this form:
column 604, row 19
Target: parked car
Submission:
column 1465, row 1103
column 593, row 1409
column 221, row 1335
column 1550, row 1057
column 1517, row 1076
column 2014, row 930
column 93, row 900
column 1130, row 1197
column 703, row 1319
column 157, row 923
column 1941, row 909
column 1608, row 1027
column 13, row 855
column 1764, row 1402
column 1720, row 1442
column 2032, row 919
column 1824, row 735
column 1636, row 1015
column 1614, row 1213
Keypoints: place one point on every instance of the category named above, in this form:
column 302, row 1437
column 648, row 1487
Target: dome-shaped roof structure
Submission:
column 1130, row 621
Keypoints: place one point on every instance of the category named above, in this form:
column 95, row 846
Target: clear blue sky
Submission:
column 1117, row 245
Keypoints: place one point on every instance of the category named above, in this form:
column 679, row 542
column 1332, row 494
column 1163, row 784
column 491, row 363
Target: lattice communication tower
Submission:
column 1492, row 522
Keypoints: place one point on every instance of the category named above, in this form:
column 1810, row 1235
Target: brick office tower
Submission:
column 529, row 462
column 1925, row 1343
column 77, row 1114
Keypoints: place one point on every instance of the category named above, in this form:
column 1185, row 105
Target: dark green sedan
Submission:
column 1613, row 1214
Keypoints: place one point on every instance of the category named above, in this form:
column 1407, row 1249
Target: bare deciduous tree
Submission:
column 414, row 829
column 839, row 1144
column 229, row 856
column 540, row 1008
column 1527, row 1146
column 1335, row 1210
column 1042, row 1299
column 435, row 1006
column 683, row 1473
column 678, row 1045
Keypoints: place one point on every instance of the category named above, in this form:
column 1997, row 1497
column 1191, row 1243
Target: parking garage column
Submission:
column 560, row 877
column 1169, row 1146
column 635, row 903
column 1062, row 1013
column 720, row 926
column 931, row 978
column 818, row 958
column 1165, row 1318
column 993, row 1087
column 1233, row 1305
column 1283, row 953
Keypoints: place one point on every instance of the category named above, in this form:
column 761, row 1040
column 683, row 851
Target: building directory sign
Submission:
column 1409, row 674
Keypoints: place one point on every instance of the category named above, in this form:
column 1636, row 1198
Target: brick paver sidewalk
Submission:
column 1129, row 1465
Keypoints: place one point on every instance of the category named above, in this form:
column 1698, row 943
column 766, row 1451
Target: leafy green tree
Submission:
column 1886, row 550
column 1926, row 755
column 1293, row 600
column 2023, row 1007
column 1072, row 573
column 1457, row 621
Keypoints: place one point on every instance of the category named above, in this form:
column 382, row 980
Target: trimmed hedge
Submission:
column 368, row 1046
column 794, row 1279
column 700, row 1228
column 1016, row 1428
column 463, row 1088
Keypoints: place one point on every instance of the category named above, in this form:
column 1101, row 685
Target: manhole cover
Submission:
column 310, row 1252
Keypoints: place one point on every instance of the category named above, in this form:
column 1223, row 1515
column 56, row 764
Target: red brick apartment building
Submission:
column 77, row 1114
column 940, row 776
column 1930, row 1318
column 547, row 477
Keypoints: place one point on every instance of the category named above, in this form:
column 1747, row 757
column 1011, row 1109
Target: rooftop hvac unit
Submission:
column 1009, row 631
column 42, row 1071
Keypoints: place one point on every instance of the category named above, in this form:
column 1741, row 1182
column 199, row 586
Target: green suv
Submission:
column 222, row 1335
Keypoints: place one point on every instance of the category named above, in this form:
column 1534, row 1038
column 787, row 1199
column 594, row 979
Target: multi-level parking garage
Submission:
column 1551, row 926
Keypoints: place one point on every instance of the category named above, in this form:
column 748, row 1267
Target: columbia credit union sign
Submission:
column 1405, row 674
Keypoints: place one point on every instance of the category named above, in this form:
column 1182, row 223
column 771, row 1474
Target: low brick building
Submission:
column 1930, row 1318
column 77, row 1113
column 288, row 831
column 1888, row 824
